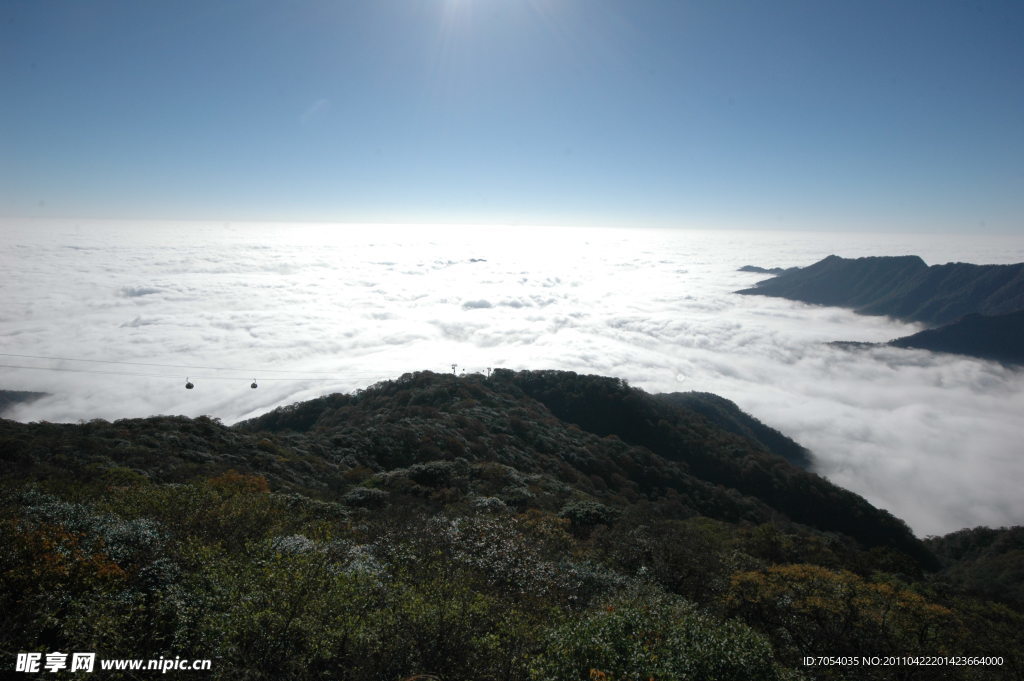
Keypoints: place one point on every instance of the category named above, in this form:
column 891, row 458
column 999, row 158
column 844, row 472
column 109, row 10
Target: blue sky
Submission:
column 869, row 115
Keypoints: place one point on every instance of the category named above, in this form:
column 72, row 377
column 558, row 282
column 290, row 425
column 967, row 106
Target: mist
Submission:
column 306, row 310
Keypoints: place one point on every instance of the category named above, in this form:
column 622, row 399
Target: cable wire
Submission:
column 166, row 366
column 204, row 378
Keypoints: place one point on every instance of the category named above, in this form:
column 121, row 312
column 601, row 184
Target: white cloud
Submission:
column 308, row 310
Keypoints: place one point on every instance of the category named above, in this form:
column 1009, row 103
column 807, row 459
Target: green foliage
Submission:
column 605, row 406
column 692, row 557
column 584, row 516
column 728, row 416
column 464, row 528
column 810, row 608
column 984, row 562
column 648, row 635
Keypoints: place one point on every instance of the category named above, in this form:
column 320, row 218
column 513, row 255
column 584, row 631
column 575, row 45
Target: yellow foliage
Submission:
column 233, row 482
column 821, row 607
column 46, row 556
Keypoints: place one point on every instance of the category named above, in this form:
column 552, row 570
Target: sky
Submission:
column 871, row 115
column 307, row 310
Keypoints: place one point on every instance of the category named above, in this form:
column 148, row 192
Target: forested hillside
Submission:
column 728, row 416
column 524, row 525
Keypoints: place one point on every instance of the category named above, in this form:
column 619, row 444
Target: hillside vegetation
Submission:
column 522, row 526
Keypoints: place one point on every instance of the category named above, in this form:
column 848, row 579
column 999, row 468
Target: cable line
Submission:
column 205, row 378
column 166, row 366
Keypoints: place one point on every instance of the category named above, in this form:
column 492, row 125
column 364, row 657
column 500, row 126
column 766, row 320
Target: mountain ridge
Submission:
column 904, row 287
column 614, row 442
column 999, row 338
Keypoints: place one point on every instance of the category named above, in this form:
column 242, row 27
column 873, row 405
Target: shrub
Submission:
column 651, row 635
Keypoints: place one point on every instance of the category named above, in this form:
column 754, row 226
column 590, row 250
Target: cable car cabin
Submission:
column 254, row 386
column 188, row 384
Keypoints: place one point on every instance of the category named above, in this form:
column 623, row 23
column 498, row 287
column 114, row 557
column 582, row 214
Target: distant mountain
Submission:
column 765, row 270
column 998, row 337
column 9, row 398
column 903, row 287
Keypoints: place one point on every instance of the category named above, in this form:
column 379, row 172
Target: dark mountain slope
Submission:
column 840, row 281
column 947, row 292
column 984, row 561
column 999, row 338
column 607, row 407
column 727, row 415
column 425, row 418
column 426, row 437
column 902, row 287
column 9, row 398
column 493, row 419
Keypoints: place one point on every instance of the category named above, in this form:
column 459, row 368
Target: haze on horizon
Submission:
column 848, row 128
column 784, row 115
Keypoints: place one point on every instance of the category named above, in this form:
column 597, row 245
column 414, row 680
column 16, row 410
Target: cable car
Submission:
column 188, row 384
column 254, row 386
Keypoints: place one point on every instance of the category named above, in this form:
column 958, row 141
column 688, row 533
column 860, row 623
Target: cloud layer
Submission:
column 307, row 310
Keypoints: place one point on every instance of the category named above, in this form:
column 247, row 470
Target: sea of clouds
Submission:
column 311, row 309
